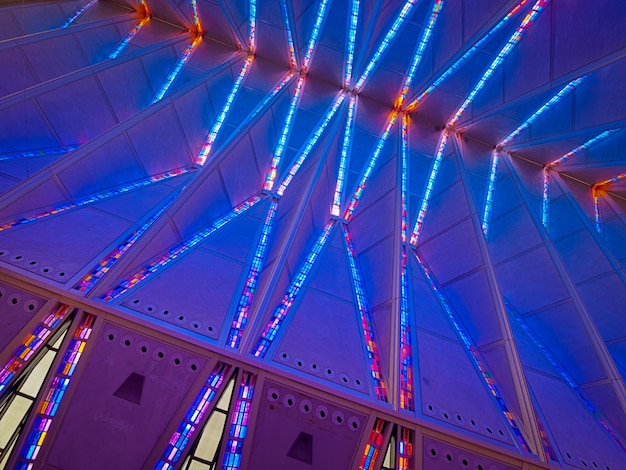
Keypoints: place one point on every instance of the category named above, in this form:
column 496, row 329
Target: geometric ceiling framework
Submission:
column 366, row 234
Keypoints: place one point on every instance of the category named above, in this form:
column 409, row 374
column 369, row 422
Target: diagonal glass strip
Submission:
column 563, row 92
column 217, row 125
column 284, row 307
column 189, row 425
column 465, row 57
column 473, row 354
column 104, row 266
column 31, row 344
column 545, row 204
column 612, row 180
column 239, row 423
column 405, row 449
column 52, row 399
column 317, row 27
column 417, row 230
column 353, row 21
column 178, row 66
column 502, row 55
column 252, row 27
column 407, row 395
column 382, row 48
column 37, row 153
column 312, row 140
column 491, row 191
column 365, row 318
column 373, row 446
column 580, row 148
column 180, row 249
column 282, row 141
column 419, row 52
column 293, row 63
column 358, row 193
column 345, row 156
column 564, row 374
column 252, row 279
column 94, row 198
column 121, row 47
column 196, row 18
column 74, row 16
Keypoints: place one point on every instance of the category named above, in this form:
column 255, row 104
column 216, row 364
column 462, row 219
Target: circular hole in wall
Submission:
column 31, row 305
column 306, row 406
column 158, row 354
column 46, row 270
column 430, row 409
column 110, row 335
column 595, row 465
column 284, row 356
column 584, row 463
column 314, row 367
column 210, row 328
column 459, row 418
column 358, row 383
column 33, row 263
column 273, row 395
column 3, row 252
column 338, row 418
column 489, row 430
column 136, row 302
column 195, row 325
column 142, row 347
column 354, row 423
column 445, row 414
column 176, row 360
column 344, row 378
column 17, row 258
column 449, row 457
column 432, row 451
column 192, row 366
column 479, row 467
column 14, row 299
column 181, row 319
column 126, row 341
column 61, row 274
column 166, row 312
column 473, row 423
column 321, row 412
column 299, row 362
column 150, row 308
column 289, row 401
column 328, row 372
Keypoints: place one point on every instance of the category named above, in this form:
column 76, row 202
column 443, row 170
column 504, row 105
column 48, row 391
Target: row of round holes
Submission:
column 306, row 406
column 315, row 368
column 460, row 420
column 32, row 264
column 15, row 299
column 584, row 462
column 463, row 461
column 143, row 348
column 167, row 314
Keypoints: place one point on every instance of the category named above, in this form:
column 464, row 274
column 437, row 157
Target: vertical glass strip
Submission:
column 417, row 230
column 290, row 44
column 407, row 395
column 55, row 394
column 596, row 209
column 282, row 141
column 95, row 198
column 580, row 148
column 196, row 18
column 189, row 425
column 31, row 344
column 239, row 423
column 491, row 191
column 178, row 66
column 345, row 156
column 74, row 16
column 353, row 21
column 252, row 279
column 365, row 318
column 545, row 207
column 317, row 27
column 358, row 193
column 502, row 55
column 419, row 53
column 391, row 33
column 373, row 446
column 252, row 28
column 404, row 189
column 106, row 264
column 474, row 355
column 564, row 374
column 284, row 307
column 465, row 57
column 405, row 449
column 217, row 125
column 562, row 93
column 312, row 140
column 180, row 249
column 121, row 47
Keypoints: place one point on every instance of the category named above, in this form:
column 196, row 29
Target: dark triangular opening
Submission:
column 131, row 389
column 302, row 448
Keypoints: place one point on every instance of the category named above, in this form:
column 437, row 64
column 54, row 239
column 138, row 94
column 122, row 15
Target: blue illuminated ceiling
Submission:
column 417, row 205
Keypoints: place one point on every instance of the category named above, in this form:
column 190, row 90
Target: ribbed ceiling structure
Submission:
column 303, row 234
